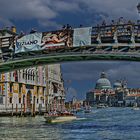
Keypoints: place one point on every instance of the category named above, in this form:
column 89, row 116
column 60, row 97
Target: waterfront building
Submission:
column 55, row 87
column 121, row 92
column 7, row 43
column 23, row 90
column 133, row 97
column 90, row 97
column 102, row 92
column 117, row 96
column 75, row 105
column 20, row 90
column 32, row 90
column 28, row 90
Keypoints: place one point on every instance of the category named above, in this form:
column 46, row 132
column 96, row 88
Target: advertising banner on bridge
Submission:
column 82, row 36
column 29, row 42
column 62, row 38
column 45, row 40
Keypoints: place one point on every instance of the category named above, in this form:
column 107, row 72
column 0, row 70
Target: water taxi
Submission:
column 59, row 117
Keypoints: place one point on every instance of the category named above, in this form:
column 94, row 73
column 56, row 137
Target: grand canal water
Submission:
column 101, row 124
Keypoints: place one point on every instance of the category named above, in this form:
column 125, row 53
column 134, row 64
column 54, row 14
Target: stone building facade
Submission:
column 56, row 96
column 30, row 90
column 23, row 90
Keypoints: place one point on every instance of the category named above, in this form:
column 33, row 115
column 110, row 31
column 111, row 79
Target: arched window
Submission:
column 10, row 100
column 33, row 76
column 23, row 74
column 26, row 73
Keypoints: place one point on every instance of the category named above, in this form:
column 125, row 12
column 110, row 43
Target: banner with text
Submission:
column 29, row 42
column 45, row 40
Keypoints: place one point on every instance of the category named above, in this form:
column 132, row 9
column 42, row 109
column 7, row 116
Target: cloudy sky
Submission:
column 52, row 14
column 45, row 15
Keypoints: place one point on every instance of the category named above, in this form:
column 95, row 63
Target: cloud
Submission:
column 67, row 6
column 25, row 9
column 41, row 10
column 50, row 11
column 113, row 8
column 90, row 71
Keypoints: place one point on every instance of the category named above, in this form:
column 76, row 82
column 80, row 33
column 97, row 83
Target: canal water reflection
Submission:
column 100, row 124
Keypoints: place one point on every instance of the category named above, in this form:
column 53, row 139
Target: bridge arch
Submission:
column 26, row 60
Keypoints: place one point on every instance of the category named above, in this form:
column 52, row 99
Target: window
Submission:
column 16, row 76
column 28, row 76
column 23, row 99
column 1, row 99
column 33, row 76
column 23, row 74
column 55, row 90
column 11, row 85
column 20, row 87
column 19, row 100
column 10, row 100
column 0, row 90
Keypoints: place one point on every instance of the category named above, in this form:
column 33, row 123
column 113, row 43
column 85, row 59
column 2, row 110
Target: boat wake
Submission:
column 79, row 119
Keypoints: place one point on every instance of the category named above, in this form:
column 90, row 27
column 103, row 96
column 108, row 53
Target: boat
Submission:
column 59, row 117
column 135, row 108
column 101, row 106
column 87, row 109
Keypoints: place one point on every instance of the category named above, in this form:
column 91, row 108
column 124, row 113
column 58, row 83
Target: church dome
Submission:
column 103, row 82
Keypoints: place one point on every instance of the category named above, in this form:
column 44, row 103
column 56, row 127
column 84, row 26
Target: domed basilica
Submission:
column 101, row 92
column 103, row 82
column 118, row 95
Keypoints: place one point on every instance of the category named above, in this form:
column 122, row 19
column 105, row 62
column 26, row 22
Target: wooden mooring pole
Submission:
column 21, row 110
column 16, row 109
column 12, row 110
column 24, row 109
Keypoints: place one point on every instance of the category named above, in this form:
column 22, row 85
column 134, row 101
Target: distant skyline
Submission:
column 81, row 77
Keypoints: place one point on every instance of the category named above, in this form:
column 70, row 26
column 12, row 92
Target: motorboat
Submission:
column 135, row 108
column 101, row 106
column 59, row 117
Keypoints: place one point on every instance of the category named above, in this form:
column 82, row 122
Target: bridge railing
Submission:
column 120, row 37
column 123, row 33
